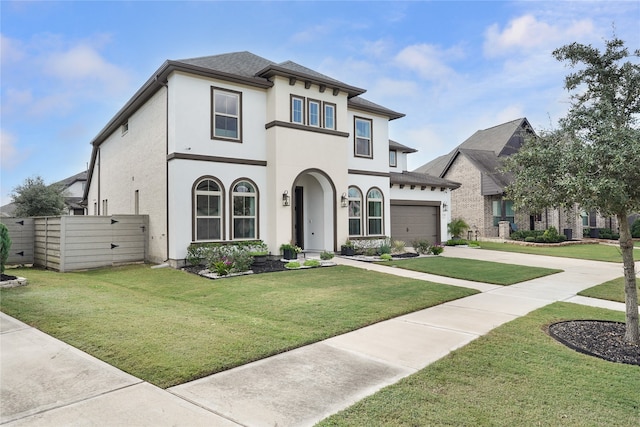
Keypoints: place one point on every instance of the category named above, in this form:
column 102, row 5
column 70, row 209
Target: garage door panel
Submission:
column 409, row 223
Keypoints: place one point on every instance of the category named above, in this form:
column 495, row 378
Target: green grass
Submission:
column 592, row 252
column 612, row 290
column 474, row 270
column 168, row 326
column 515, row 375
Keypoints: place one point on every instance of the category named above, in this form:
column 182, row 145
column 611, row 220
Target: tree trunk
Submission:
column 632, row 333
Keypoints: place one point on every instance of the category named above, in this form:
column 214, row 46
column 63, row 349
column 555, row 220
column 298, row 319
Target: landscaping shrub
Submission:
column 384, row 249
column 325, row 256
column 225, row 259
column 457, row 227
column 5, row 245
column 530, row 239
column 312, row 263
column 635, row 229
column 436, row 249
column 386, row 257
column 586, row 232
column 457, row 242
column 398, row 247
column 421, row 246
column 524, row 234
column 292, row 264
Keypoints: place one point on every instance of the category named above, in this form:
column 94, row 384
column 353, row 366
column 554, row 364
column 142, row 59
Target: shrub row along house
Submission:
column 480, row 200
column 236, row 147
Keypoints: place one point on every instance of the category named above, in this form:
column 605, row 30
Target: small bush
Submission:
column 523, row 234
column 398, row 246
column 635, row 229
column 384, row 249
column 421, row 246
column 5, row 245
column 530, row 239
column 292, row 264
column 586, row 232
column 326, row 256
column 605, row 233
column 312, row 263
column 370, row 251
column 436, row 249
column 457, row 242
column 386, row 257
column 457, row 227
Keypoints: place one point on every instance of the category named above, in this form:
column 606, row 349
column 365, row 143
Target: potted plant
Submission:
column 259, row 253
column 289, row 251
column 347, row 249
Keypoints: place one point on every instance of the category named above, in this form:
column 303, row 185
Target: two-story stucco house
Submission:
column 236, row 147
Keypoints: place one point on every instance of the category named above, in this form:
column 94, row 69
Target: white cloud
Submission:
column 526, row 33
column 11, row 50
column 10, row 157
column 429, row 61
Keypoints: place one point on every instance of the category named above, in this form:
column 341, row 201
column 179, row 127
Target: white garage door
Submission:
column 411, row 222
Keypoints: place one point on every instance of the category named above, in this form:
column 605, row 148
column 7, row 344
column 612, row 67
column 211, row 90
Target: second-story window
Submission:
column 314, row 113
column 329, row 116
column 363, row 146
column 393, row 158
column 226, row 114
column 297, row 110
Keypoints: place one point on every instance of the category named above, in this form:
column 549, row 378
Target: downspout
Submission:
column 166, row 149
column 99, row 167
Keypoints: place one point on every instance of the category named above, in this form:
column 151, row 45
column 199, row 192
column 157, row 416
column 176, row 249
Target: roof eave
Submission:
column 273, row 70
column 382, row 111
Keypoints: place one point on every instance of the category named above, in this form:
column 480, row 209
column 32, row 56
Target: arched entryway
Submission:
column 314, row 211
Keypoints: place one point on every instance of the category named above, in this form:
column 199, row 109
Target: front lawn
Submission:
column 168, row 327
column 594, row 252
column 474, row 270
column 515, row 375
column 612, row 290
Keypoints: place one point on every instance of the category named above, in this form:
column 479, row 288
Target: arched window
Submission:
column 355, row 212
column 374, row 212
column 208, row 210
column 244, row 210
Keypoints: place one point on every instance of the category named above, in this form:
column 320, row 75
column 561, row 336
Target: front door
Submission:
column 298, row 206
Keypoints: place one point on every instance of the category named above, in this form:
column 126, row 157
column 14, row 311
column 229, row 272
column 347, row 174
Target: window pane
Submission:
column 363, row 129
column 208, row 185
column 208, row 229
column 226, row 103
column 354, row 227
column 314, row 114
column 329, row 117
column 497, row 211
column 374, row 194
column 244, row 187
column 244, row 228
column 354, row 193
column 509, row 208
column 375, row 209
column 362, row 147
column 375, row 226
column 354, row 208
column 244, row 206
column 392, row 158
column 226, row 127
column 296, row 107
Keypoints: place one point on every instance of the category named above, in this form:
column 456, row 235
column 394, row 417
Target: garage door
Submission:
column 410, row 223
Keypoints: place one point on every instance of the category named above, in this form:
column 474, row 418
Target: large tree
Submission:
column 593, row 157
column 34, row 198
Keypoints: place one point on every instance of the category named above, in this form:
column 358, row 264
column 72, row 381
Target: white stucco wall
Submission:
column 134, row 161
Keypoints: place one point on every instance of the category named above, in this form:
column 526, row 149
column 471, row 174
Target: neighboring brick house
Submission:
column 236, row 147
column 481, row 201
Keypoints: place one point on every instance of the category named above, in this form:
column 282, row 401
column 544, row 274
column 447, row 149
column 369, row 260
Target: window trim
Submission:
column 381, row 217
column 213, row 114
column 302, row 106
column 256, row 216
column 355, row 137
column 393, row 163
column 360, row 199
column 333, row 115
column 194, row 209
column 311, row 101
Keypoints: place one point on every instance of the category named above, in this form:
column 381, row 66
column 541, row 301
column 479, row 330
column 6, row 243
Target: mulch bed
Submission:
column 269, row 266
column 597, row 338
column 5, row 277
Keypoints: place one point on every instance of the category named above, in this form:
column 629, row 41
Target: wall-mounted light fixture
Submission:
column 344, row 201
column 286, row 200
column 445, row 207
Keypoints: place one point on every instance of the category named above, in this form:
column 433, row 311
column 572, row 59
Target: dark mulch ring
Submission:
column 269, row 266
column 6, row 278
column 597, row 338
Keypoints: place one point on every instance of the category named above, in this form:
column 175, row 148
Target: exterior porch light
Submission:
column 344, row 202
column 445, row 207
column 286, row 200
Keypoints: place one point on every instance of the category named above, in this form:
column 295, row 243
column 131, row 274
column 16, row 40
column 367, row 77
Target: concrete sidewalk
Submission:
column 46, row 382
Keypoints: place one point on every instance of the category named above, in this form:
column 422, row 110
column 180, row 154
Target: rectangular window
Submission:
column 125, row 127
column 105, row 205
column 314, row 113
column 355, row 214
column 136, row 202
column 297, row 110
column 226, row 114
column 393, row 161
column 375, row 217
column 498, row 214
column 363, row 138
column 329, row 116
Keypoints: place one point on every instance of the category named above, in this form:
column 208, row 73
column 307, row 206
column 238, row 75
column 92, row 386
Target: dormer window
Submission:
column 393, row 158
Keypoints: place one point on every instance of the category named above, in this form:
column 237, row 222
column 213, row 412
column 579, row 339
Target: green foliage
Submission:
column 457, row 227
column 34, row 198
column 456, row 242
column 290, row 247
column 398, row 247
column 5, row 245
column 312, row 263
column 385, row 249
column 524, row 234
column 421, row 246
column 326, row 256
column 386, row 257
column 635, row 229
column 436, row 249
column 292, row 264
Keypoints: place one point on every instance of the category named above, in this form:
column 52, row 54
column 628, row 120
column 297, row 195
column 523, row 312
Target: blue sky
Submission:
column 452, row 67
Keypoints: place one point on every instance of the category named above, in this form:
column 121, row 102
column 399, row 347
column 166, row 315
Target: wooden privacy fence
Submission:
column 67, row 243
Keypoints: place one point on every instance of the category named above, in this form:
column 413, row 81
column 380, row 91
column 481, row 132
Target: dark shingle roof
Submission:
column 360, row 103
column 82, row 176
column 393, row 145
column 415, row 178
column 244, row 64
